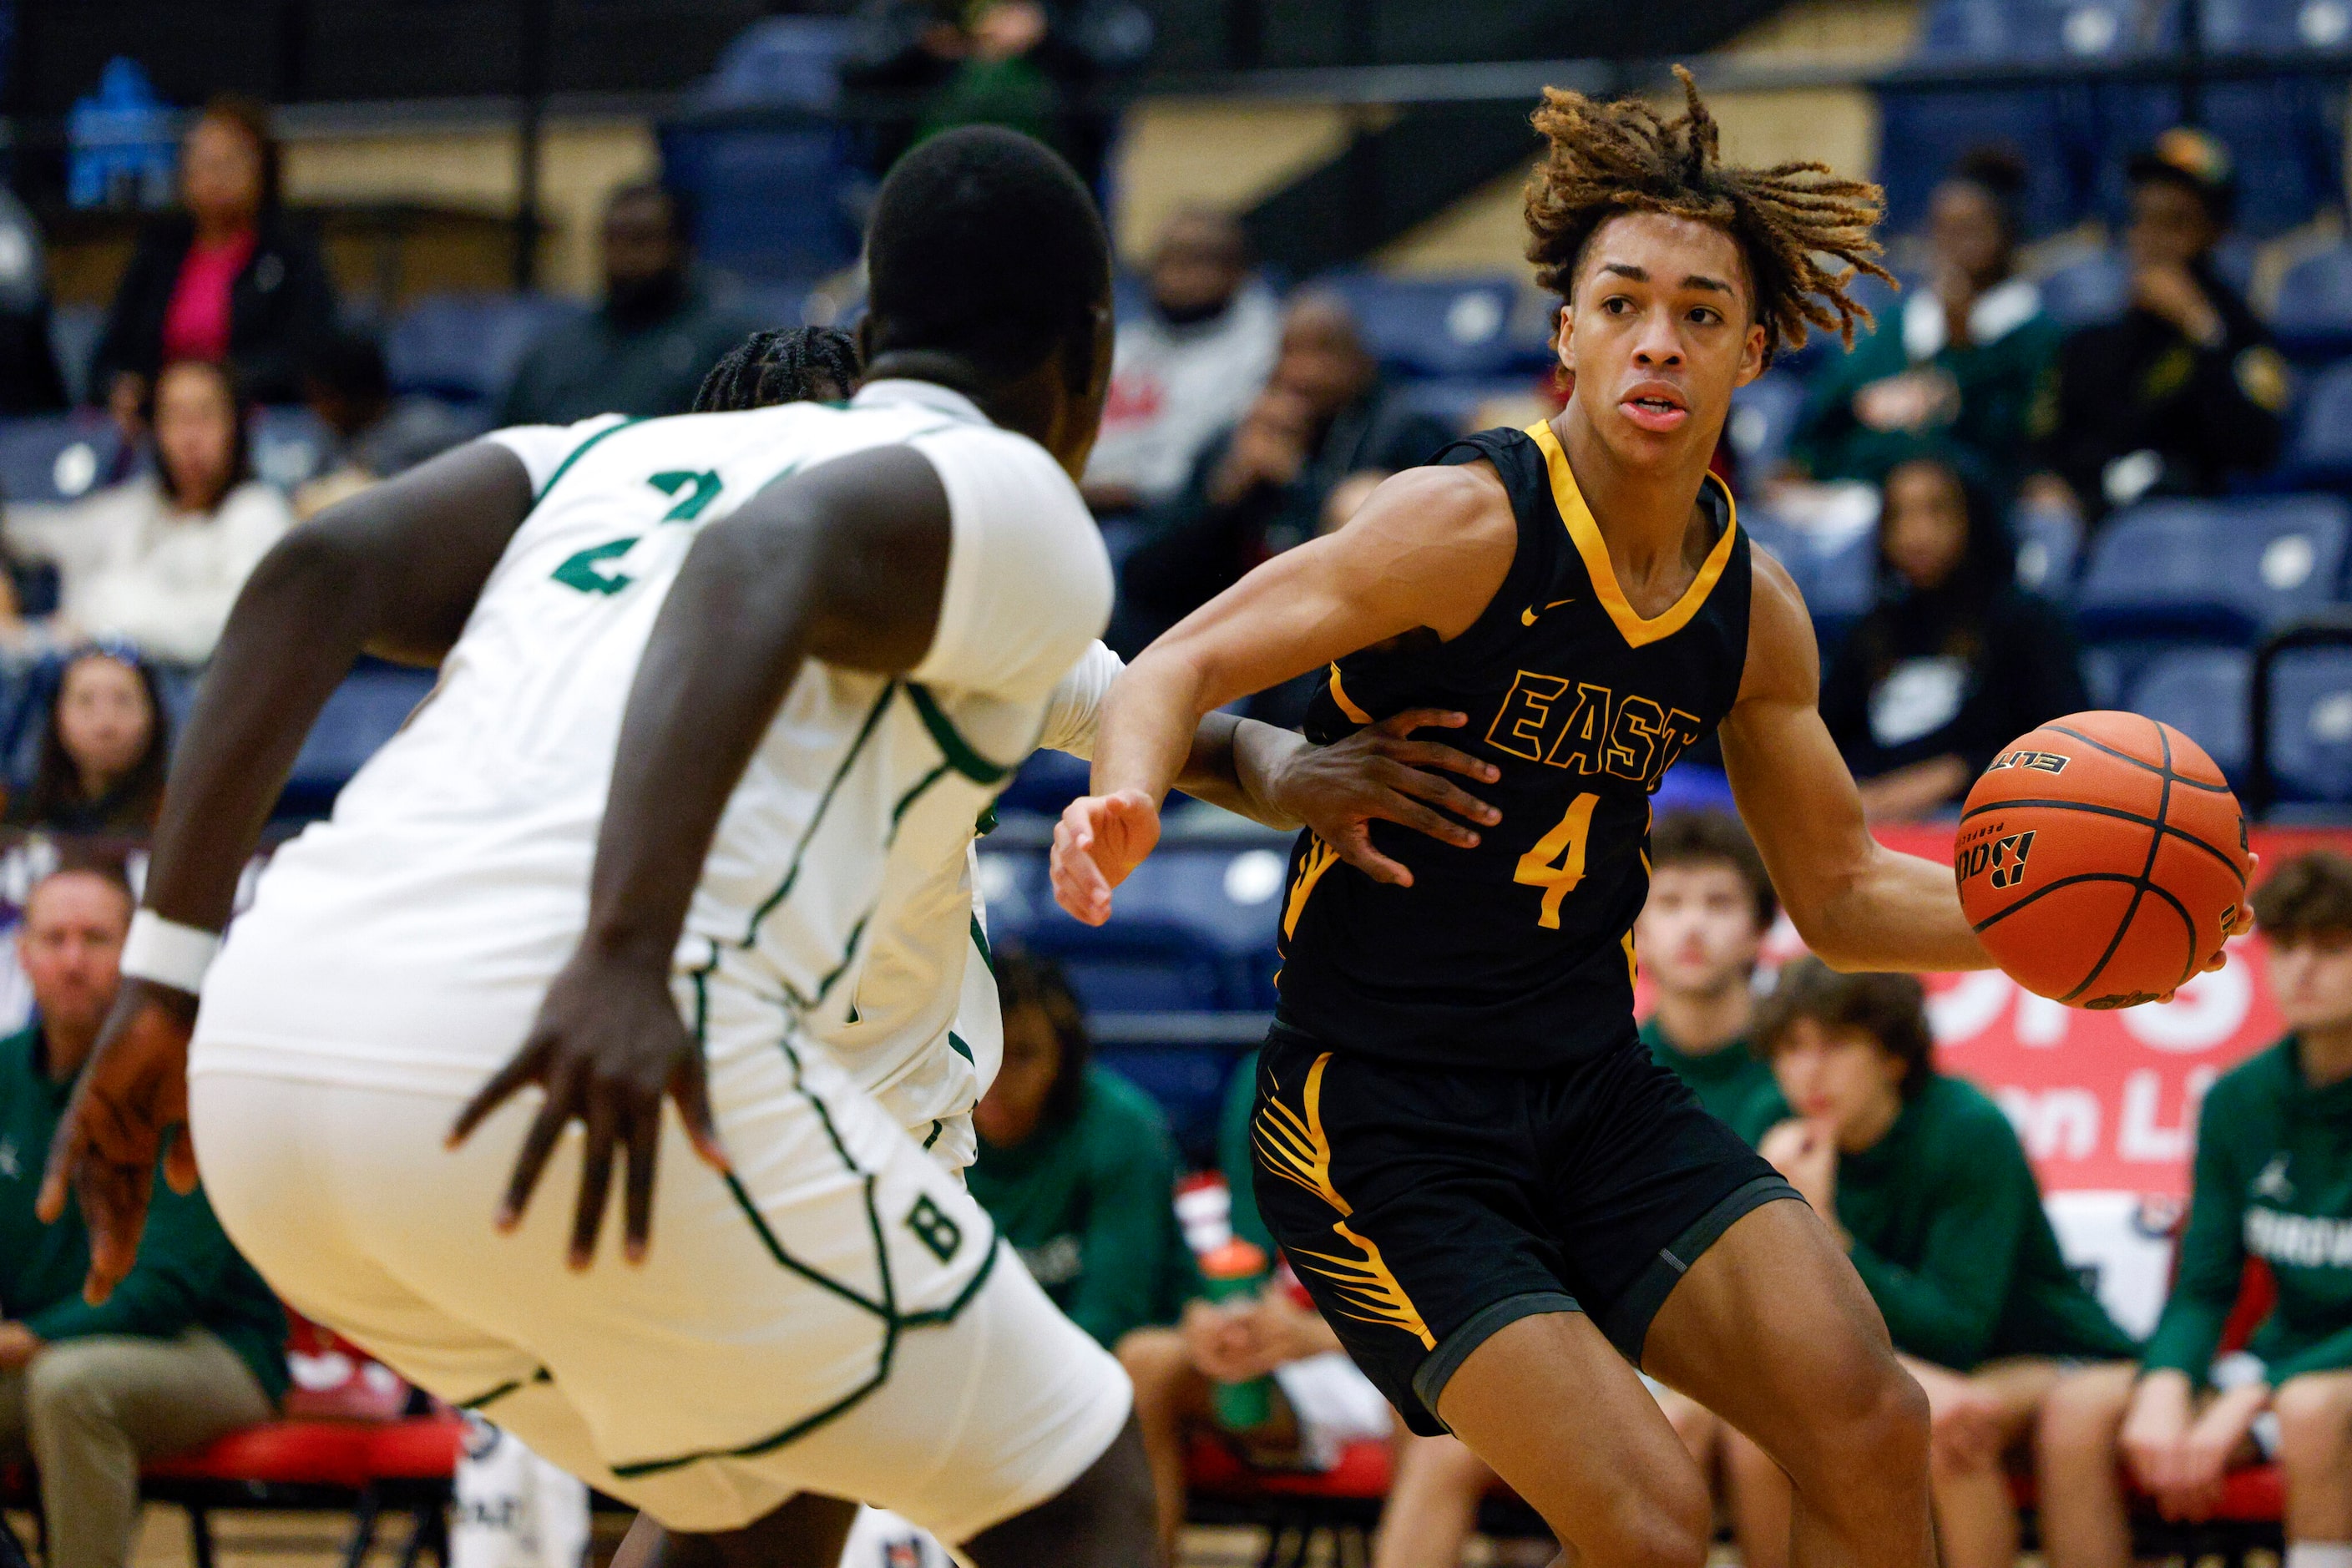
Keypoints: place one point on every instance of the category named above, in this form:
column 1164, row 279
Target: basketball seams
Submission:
column 2119, row 814
column 2076, row 879
column 2142, row 762
column 2142, row 882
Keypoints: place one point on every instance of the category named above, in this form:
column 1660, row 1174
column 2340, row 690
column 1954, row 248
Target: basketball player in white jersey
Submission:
column 836, row 631
column 924, row 1035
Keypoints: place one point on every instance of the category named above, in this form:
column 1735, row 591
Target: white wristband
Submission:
column 167, row 953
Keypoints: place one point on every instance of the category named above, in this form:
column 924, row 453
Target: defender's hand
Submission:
column 607, row 1048
column 132, row 1093
column 1379, row 774
column 1100, row 839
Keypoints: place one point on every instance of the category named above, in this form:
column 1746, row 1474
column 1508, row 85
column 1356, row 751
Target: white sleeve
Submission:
column 544, row 447
column 1074, row 712
column 1028, row 583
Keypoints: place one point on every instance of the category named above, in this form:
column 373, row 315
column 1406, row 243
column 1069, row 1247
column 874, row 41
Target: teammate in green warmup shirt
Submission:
column 2273, row 1181
column 1710, row 906
column 1076, row 1166
column 1929, row 1187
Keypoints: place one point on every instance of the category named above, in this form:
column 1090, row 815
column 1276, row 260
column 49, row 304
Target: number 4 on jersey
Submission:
column 1555, row 863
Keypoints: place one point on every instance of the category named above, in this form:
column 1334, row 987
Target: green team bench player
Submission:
column 192, row 1343
column 2274, row 1181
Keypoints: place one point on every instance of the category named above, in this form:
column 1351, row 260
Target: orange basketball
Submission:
column 2100, row 858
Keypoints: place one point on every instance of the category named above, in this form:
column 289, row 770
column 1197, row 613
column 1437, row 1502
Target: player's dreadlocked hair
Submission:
column 768, row 368
column 1612, row 158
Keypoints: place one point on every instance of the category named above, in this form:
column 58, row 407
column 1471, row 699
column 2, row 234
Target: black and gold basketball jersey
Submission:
column 1519, row 953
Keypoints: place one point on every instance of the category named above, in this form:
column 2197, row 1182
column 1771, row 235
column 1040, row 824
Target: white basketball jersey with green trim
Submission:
column 454, row 869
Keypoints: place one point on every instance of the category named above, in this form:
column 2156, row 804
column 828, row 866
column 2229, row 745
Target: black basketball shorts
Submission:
column 1425, row 1209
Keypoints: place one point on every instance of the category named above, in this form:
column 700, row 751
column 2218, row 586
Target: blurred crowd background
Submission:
column 2096, row 452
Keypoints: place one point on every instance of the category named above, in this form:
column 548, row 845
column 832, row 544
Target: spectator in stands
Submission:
column 29, row 379
column 189, row 1347
column 1954, row 660
column 158, row 560
column 645, row 349
column 1186, row 368
column 1261, row 488
column 1924, row 1179
column 225, row 279
column 1711, row 904
column 1026, row 64
column 1076, row 1164
column 1301, row 1401
column 1960, row 360
column 2273, row 1183
column 2185, row 389
column 104, row 749
column 348, row 386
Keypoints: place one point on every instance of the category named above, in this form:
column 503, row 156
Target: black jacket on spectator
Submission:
column 29, row 381
column 1195, row 548
column 2141, row 384
column 604, row 364
column 1954, row 671
column 280, row 306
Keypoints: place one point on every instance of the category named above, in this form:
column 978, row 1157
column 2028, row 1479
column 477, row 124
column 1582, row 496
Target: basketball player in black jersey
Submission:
column 1494, row 1195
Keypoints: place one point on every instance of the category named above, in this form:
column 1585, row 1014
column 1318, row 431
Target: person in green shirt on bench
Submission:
column 1927, row 1184
column 2273, row 1181
column 1076, row 1164
column 189, row 1347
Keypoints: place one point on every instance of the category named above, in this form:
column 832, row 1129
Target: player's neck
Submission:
column 1701, row 1022
column 1644, row 513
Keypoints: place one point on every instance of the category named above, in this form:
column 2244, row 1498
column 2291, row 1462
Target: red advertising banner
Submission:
column 2104, row 1101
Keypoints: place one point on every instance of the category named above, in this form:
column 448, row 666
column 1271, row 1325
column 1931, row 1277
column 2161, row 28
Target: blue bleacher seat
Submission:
column 1763, row 418
column 2286, row 135
column 55, row 457
column 2321, row 451
column 2092, row 290
column 373, row 701
column 2201, row 692
column 2311, row 724
column 2314, row 318
column 776, row 199
column 1925, row 131
column 465, row 347
column 2217, row 569
column 1192, row 930
column 1046, row 783
column 74, row 331
column 1838, row 581
column 288, row 445
column 1187, row 1082
column 2274, row 26
column 1457, row 399
column 2049, row 548
column 1442, row 326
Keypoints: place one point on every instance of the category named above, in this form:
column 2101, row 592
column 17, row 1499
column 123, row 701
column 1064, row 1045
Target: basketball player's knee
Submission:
column 1668, row 1522
column 2083, row 1415
column 1870, row 1422
column 2315, row 1418
column 1160, row 1365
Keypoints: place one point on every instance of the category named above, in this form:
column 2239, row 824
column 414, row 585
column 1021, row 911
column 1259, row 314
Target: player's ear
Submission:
column 1751, row 354
column 1562, row 332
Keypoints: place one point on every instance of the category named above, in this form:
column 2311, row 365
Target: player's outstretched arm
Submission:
column 846, row 563
column 1430, row 548
column 394, row 571
column 1858, row 904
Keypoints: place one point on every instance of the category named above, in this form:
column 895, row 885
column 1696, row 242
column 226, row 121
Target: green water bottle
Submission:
column 1233, row 1271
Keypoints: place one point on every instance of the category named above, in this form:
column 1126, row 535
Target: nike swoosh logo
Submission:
column 1527, row 615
